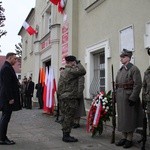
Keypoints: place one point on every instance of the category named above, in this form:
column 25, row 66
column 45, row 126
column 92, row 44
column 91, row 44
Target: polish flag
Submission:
column 29, row 29
column 42, row 76
column 61, row 5
column 45, row 108
column 51, row 89
column 55, row 2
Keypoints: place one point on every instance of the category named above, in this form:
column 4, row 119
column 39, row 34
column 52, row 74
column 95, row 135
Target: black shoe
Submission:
column 121, row 142
column 68, row 138
column 7, row 142
column 10, row 141
column 128, row 144
column 76, row 125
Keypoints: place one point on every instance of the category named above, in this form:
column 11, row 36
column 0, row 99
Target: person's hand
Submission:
column 11, row 101
column 131, row 103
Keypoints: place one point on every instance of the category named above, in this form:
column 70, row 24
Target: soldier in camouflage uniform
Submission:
column 68, row 94
column 146, row 92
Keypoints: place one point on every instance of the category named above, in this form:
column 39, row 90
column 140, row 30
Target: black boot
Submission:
column 128, row 144
column 68, row 138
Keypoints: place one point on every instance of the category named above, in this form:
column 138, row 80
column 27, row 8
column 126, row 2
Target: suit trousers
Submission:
column 29, row 102
column 5, row 118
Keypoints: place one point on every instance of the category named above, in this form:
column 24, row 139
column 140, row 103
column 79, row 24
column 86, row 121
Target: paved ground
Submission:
column 33, row 130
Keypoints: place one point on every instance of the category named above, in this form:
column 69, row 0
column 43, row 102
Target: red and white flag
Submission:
column 61, row 6
column 55, row 2
column 51, row 89
column 28, row 28
column 45, row 92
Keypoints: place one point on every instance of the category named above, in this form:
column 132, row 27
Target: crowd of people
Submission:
column 26, row 92
column 128, row 85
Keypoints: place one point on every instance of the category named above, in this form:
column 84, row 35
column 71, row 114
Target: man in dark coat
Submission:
column 128, row 87
column 9, row 96
column 29, row 93
column 39, row 94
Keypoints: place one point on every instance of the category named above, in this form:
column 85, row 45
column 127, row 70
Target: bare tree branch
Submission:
column 18, row 49
column 2, row 19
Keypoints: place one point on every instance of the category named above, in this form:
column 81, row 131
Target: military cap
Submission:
column 126, row 52
column 70, row 58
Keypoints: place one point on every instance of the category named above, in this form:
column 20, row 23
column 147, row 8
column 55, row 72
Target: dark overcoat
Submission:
column 9, row 87
column 30, row 89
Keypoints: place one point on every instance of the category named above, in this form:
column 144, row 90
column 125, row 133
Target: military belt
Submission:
column 124, row 86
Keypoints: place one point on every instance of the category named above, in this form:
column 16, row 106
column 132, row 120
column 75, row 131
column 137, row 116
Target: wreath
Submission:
column 100, row 112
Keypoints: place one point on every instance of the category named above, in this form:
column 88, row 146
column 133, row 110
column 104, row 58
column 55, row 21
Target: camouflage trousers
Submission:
column 68, row 109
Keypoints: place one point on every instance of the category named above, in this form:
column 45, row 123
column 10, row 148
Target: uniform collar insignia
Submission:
column 127, row 67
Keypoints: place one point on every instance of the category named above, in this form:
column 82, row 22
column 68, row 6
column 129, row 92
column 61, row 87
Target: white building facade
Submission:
column 95, row 31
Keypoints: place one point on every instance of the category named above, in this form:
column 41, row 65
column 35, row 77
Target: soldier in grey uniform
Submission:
column 80, row 112
column 128, row 87
column 146, row 92
column 68, row 94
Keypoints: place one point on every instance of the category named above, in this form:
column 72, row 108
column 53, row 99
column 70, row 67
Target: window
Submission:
column 46, row 21
column 102, row 71
column 98, row 82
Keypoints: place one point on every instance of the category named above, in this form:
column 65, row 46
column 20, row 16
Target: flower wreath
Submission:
column 100, row 111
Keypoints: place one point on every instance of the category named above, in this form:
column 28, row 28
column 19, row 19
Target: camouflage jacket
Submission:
column 146, row 85
column 68, row 82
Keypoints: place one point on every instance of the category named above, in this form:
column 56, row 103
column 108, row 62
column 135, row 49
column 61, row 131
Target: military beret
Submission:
column 126, row 52
column 70, row 58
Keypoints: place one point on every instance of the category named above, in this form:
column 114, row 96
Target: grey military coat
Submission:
column 80, row 112
column 129, row 117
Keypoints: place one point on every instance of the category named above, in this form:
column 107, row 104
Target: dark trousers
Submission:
column 21, row 99
column 24, row 101
column 40, row 100
column 29, row 102
column 5, row 118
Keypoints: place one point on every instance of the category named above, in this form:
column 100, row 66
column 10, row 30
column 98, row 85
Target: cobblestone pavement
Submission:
column 33, row 130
